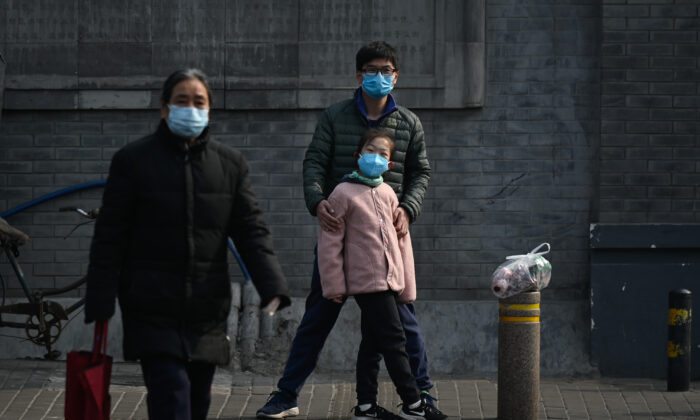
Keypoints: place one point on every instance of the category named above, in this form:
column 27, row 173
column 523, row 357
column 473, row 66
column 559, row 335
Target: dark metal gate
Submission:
column 633, row 269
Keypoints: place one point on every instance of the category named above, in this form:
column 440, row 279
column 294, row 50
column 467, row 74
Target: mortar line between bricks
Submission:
column 136, row 407
column 334, row 405
column 342, row 401
column 540, row 402
column 332, row 402
column 245, row 404
column 669, row 405
column 648, row 406
column 685, row 397
column 561, row 398
column 459, row 402
column 622, row 397
column 605, row 403
column 646, row 403
column 53, row 403
column 573, row 399
column 116, row 404
column 583, row 399
column 478, row 398
column 311, row 398
column 665, row 400
column 228, row 397
column 14, row 397
column 2, row 413
column 30, row 404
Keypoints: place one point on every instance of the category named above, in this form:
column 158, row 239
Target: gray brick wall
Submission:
column 38, row 156
column 650, row 109
column 591, row 115
column 519, row 171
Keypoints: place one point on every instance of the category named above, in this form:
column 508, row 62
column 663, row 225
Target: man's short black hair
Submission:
column 376, row 49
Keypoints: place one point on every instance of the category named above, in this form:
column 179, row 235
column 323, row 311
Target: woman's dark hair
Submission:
column 178, row 77
column 376, row 49
column 373, row 133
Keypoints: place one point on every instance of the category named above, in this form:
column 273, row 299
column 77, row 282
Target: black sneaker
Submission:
column 279, row 405
column 422, row 412
column 430, row 401
column 374, row 412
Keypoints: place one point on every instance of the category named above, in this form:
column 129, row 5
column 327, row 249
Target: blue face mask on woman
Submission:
column 372, row 165
column 187, row 122
column 377, row 86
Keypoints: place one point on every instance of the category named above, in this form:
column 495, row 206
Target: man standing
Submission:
column 328, row 158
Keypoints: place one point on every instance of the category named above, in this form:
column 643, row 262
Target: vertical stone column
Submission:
column 519, row 357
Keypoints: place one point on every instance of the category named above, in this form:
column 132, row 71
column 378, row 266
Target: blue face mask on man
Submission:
column 187, row 122
column 372, row 165
column 377, row 86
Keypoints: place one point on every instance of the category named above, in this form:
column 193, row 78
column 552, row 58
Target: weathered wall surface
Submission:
column 650, row 108
column 281, row 54
column 528, row 166
column 643, row 242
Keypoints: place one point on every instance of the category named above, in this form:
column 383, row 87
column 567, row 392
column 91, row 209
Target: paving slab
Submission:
column 35, row 390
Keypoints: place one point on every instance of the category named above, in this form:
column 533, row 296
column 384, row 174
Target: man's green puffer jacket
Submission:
column 338, row 132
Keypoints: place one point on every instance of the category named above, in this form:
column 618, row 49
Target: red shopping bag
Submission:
column 87, row 380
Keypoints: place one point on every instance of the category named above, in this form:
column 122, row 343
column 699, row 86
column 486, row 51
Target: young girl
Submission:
column 366, row 259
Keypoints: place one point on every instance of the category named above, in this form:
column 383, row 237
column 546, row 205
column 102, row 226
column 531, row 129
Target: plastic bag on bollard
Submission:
column 521, row 273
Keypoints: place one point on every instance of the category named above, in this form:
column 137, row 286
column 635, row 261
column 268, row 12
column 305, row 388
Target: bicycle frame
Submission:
column 44, row 317
column 20, row 274
column 43, row 325
column 36, row 306
column 37, row 295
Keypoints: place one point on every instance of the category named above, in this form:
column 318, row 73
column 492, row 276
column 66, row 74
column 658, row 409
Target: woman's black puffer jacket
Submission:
column 160, row 245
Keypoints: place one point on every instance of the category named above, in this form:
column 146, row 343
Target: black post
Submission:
column 679, row 319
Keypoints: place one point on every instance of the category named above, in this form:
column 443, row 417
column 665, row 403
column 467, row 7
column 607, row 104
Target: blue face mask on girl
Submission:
column 187, row 122
column 372, row 165
column 377, row 86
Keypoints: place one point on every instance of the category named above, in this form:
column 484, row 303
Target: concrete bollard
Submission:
column 519, row 357
column 680, row 314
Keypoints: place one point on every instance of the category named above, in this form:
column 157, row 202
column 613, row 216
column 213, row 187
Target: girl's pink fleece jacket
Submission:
column 365, row 255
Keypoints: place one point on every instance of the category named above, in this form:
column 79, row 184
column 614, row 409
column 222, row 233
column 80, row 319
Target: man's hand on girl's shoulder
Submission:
column 324, row 213
column 401, row 222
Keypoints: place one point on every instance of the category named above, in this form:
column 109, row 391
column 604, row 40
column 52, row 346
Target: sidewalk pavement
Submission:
column 34, row 389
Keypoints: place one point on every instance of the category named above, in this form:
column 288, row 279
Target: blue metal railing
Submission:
column 101, row 183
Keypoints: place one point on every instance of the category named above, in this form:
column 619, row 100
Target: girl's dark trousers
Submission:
column 382, row 336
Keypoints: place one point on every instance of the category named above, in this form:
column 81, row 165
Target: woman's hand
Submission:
column 324, row 212
column 401, row 222
column 336, row 299
column 272, row 306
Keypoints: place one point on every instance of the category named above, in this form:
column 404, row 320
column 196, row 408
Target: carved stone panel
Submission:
column 269, row 54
